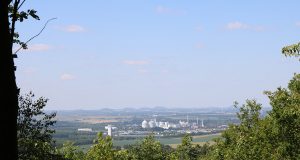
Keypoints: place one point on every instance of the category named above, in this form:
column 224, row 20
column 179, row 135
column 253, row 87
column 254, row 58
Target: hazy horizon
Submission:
column 143, row 107
column 157, row 53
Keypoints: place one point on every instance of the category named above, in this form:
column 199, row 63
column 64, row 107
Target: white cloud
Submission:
column 243, row 26
column 73, row 28
column 135, row 62
column 236, row 25
column 66, row 76
column 165, row 10
column 38, row 47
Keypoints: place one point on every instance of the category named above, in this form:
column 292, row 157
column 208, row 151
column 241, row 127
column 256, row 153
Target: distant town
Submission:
column 127, row 125
column 160, row 128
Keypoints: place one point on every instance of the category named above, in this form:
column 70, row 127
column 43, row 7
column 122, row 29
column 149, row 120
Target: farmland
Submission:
column 173, row 142
column 128, row 129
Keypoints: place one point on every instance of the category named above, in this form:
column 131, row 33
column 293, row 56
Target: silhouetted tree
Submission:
column 9, row 91
column 9, row 15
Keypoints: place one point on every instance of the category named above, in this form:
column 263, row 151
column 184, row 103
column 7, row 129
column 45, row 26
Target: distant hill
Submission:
column 151, row 110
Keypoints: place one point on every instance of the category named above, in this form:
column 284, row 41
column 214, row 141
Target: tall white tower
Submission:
column 202, row 124
column 187, row 118
column 109, row 130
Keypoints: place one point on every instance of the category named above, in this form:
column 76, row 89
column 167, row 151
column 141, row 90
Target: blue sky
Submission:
column 137, row 53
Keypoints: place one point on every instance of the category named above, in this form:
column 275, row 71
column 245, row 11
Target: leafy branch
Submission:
column 24, row 45
column 292, row 50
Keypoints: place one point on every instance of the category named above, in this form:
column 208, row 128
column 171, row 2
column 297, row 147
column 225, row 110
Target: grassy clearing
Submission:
column 205, row 136
column 201, row 140
column 173, row 142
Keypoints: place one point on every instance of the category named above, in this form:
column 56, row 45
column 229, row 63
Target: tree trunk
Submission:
column 8, row 89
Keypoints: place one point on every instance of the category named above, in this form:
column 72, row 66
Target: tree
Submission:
column 187, row 151
column 71, row 152
column 34, row 128
column 167, row 151
column 9, row 15
column 9, row 92
column 185, row 148
column 147, row 149
column 122, row 155
column 275, row 136
column 102, row 150
column 251, row 139
column 286, row 117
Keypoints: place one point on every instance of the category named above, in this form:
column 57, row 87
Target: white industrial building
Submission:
column 152, row 124
column 145, row 124
column 84, row 130
column 183, row 123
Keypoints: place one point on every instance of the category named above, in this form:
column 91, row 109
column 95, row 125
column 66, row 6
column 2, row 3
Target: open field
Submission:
column 173, row 142
column 195, row 143
column 92, row 119
column 206, row 136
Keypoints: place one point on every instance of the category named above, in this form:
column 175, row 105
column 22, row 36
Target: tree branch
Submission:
column 8, row 2
column 21, row 4
column 36, row 34
column 291, row 50
column 13, row 20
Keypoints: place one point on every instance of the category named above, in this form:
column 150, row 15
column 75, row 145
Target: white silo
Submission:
column 152, row 124
column 161, row 124
column 145, row 124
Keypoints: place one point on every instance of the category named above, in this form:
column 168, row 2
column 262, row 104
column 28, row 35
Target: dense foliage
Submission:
column 275, row 136
column 147, row 149
column 34, row 128
column 70, row 151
